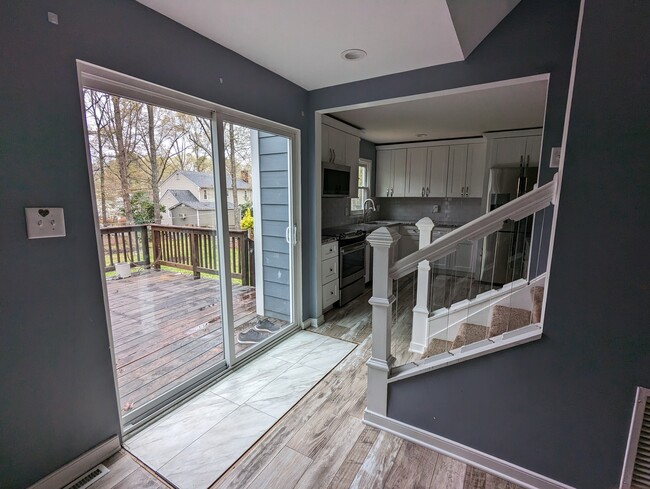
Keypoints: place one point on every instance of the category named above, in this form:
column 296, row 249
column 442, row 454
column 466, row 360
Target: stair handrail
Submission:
column 524, row 205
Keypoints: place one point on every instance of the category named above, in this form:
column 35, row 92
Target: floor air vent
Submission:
column 636, row 470
column 88, row 478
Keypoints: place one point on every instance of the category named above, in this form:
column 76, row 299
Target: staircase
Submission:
column 502, row 320
column 508, row 322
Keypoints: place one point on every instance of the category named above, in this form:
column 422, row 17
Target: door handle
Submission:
column 287, row 237
column 295, row 234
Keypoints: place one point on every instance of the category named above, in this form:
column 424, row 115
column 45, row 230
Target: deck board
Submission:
column 166, row 328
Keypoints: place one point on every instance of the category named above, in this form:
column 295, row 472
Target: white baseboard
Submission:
column 467, row 455
column 79, row 466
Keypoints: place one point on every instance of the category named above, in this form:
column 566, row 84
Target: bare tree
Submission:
column 162, row 135
column 98, row 111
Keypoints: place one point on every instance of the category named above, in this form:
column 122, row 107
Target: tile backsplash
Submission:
column 452, row 210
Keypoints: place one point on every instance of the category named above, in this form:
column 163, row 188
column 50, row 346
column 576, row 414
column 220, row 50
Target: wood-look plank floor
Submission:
column 166, row 328
column 322, row 442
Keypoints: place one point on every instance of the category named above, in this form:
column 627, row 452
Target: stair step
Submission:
column 469, row 333
column 504, row 319
column 537, row 295
column 436, row 347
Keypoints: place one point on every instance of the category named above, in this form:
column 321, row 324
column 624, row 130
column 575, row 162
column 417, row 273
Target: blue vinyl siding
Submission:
column 274, row 200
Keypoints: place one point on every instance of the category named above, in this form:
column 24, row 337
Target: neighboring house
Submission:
column 188, row 198
column 560, row 406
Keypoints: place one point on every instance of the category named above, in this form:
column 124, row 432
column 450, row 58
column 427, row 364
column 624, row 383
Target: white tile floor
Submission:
column 196, row 443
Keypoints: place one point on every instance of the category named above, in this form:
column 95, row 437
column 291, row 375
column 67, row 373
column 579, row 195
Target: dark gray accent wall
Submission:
column 274, row 202
column 536, row 37
column 562, row 406
column 58, row 397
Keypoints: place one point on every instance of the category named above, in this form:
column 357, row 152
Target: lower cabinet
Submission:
column 330, row 273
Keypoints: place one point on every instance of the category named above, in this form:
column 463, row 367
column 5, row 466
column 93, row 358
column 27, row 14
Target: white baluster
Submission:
column 420, row 328
column 382, row 241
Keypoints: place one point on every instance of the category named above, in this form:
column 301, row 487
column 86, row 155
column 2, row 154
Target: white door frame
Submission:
column 102, row 79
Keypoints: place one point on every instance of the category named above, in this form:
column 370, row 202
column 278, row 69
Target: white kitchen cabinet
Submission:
column 466, row 172
column 330, row 273
column 438, row 162
column 416, row 172
column 514, row 151
column 391, row 173
column 332, row 145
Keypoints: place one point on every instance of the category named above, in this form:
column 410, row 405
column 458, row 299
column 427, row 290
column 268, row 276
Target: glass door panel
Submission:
column 258, row 189
column 153, row 178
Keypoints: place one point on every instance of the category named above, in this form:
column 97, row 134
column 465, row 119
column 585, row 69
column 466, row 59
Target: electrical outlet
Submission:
column 436, row 209
column 44, row 222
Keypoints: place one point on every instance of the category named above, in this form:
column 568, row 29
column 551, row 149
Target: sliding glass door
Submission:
column 196, row 211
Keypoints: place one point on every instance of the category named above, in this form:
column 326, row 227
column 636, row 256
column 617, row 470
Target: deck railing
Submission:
column 183, row 247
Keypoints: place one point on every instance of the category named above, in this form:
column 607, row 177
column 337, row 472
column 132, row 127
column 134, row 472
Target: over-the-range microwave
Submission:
column 336, row 180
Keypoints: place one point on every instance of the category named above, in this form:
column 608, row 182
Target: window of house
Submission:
column 363, row 183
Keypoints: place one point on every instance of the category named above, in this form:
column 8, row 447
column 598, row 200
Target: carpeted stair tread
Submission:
column 469, row 333
column 504, row 319
column 537, row 295
column 436, row 347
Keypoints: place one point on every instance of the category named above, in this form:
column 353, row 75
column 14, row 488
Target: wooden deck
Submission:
column 167, row 328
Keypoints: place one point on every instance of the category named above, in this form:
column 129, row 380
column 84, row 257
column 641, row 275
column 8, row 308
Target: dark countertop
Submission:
column 376, row 224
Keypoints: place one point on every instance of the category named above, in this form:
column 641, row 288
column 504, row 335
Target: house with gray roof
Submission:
column 189, row 199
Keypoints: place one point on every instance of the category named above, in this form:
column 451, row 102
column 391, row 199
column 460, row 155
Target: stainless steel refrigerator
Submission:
column 505, row 253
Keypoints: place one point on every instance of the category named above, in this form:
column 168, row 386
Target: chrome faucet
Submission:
column 365, row 210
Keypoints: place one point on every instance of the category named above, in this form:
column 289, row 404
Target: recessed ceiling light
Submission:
column 421, row 135
column 353, row 54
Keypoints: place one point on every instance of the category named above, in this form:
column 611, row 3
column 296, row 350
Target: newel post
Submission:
column 382, row 241
column 420, row 329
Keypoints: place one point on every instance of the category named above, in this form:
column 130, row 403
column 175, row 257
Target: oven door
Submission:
column 352, row 261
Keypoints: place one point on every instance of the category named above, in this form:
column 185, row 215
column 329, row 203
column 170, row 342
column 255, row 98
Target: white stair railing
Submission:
column 386, row 271
column 420, row 334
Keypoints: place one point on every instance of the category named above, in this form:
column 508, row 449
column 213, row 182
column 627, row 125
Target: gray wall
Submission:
column 562, row 406
column 537, row 37
column 274, row 202
column 58, row 397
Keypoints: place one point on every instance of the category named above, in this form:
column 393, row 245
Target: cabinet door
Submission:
column 337, row 144
column 533, row 150
column 384, row 168
column 508, row 151
column 416, row 172
column 352, row 160
column 438, row 161
column 457, row 171
column 475, row 175
column 326, row 154
column 399, row 173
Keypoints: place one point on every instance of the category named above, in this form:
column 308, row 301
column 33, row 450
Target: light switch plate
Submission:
column 44, row 222
column 555, row 157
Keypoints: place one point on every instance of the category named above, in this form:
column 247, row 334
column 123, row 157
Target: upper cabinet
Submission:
column 341, row 148
column 391, row 173
column 456, row 170
column 516, row 150
column 466, row 170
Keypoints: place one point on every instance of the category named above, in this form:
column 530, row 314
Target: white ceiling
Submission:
column 301, row 40
column 466, row 114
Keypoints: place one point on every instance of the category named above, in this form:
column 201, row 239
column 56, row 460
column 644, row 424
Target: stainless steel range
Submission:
column 352, row 265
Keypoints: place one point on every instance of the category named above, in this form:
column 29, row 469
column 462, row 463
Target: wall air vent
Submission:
column 93, row 475
column 636, row 470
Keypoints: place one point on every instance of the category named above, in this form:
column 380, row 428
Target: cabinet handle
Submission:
column 332, row 292
column 331, row 269
column 527, row 160
column 521, row 159
column 391, row 192
column 466, row 191
column 334, row 151
column 387, row 192
column 422, row 191
column 427, row 191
